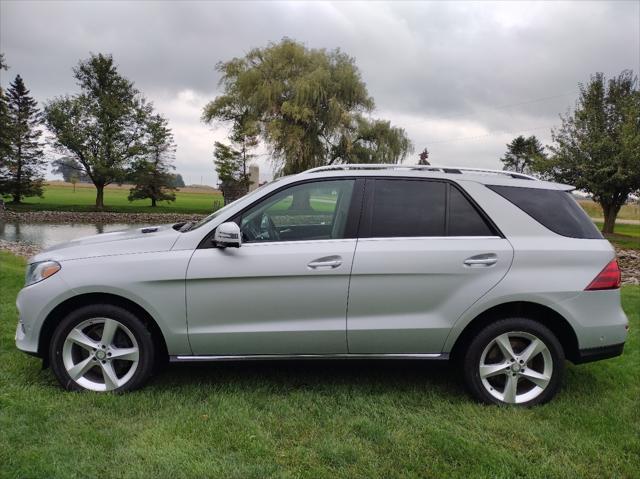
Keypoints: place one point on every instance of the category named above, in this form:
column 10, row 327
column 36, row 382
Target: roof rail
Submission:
column 442, row 169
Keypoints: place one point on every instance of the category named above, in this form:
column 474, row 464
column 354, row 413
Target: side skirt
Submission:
column 267, row 357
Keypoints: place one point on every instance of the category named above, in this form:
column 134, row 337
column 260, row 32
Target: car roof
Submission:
column 453, row 173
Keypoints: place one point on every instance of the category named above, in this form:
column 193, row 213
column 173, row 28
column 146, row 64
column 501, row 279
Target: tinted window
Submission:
column 309, row 211
column 408, row 208
column 557, row 210
column 464, row 218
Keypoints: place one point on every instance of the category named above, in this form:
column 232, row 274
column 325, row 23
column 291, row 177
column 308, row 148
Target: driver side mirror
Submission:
column 228, row 235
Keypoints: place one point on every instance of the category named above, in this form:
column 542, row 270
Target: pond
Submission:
column 43, row 235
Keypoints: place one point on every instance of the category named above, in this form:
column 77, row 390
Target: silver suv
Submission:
column 499, row 271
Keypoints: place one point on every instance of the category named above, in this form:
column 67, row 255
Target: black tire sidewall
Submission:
column 128, row 319
column 471, row 361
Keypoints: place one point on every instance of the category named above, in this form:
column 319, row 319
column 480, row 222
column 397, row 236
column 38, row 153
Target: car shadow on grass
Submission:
column 315, row 375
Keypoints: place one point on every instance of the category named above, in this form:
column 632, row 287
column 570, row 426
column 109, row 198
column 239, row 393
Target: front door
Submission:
column 284, row 291
column 425, row 255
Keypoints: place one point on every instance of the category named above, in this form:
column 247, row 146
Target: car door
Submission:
column 284, row 291
column 425, row 254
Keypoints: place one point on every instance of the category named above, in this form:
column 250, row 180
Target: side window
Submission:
column 407, row 208
column 464, row 219
column 309, row 211
column 556, row 210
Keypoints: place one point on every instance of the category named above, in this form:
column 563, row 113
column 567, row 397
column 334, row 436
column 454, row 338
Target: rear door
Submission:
column 424, row 255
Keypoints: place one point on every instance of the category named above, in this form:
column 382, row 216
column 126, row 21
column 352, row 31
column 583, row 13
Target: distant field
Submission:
column 628, row 212
column 60, row 196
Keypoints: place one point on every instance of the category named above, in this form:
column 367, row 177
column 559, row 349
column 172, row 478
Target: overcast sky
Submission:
column 463, row 78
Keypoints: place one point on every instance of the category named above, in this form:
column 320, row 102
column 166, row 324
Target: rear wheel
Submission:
column 514, row 361
column 101, row 348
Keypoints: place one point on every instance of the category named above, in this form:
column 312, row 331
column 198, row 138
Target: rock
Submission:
column 96, row 217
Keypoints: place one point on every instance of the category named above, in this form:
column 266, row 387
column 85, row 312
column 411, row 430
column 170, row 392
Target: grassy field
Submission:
column 313, row 419
column 61, row 197
column 627, row 212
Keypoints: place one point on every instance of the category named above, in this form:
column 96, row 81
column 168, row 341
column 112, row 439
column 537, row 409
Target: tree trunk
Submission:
column 300, row 201
column 99, row 197
column 610, row 214
column 17, row 191
column 153, row 202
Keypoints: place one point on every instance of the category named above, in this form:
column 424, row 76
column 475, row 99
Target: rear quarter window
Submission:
column 556, row 210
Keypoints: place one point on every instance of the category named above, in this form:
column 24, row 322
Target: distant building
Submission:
column 254, row 177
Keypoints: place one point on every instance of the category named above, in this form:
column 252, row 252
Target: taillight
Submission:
column 608, row 278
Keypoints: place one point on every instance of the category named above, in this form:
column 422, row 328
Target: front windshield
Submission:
column 225, row 208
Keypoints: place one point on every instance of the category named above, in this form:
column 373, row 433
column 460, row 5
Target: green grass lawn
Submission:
column 313, row 419
column 61, row 197
column 624, row 236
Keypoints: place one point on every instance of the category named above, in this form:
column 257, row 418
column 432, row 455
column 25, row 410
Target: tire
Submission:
column 83, row 358
column 514, row 361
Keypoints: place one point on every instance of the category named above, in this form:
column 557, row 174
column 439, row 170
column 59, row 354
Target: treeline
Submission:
column 107, row 133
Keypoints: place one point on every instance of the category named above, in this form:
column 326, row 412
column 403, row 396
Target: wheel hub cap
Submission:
column 100, row 355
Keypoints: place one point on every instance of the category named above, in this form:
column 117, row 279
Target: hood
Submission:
column 136, row 240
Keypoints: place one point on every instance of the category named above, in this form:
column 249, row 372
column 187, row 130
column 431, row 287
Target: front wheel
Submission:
column 514, row 361
column 101, row 348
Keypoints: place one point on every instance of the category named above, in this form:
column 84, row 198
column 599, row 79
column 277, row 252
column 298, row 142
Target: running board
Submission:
column 263, row 357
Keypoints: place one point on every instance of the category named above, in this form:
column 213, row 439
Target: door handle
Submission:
column 487, row 259
column 328, row 262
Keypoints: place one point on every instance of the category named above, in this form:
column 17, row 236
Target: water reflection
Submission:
column 46, row 234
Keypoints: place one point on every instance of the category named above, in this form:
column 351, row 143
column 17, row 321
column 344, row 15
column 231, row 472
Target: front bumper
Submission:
column 34, row 304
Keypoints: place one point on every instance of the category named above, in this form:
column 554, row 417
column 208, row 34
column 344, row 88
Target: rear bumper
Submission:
column 596, row 354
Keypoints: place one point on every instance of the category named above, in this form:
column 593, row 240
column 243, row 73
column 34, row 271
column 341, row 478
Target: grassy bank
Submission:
column 312, row 419
column 61, row 197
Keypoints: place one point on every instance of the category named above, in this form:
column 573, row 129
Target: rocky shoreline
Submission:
column 96, row 217
column 628, row 259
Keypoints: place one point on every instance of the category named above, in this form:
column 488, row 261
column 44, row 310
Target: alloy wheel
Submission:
column 100, row 354
column 516, row 367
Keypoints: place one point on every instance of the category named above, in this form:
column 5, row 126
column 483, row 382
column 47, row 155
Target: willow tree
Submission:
column 597, row 148
column 307, row 105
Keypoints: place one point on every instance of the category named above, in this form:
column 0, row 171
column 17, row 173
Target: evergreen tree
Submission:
column 597, row 148
column 4, row 126
column 22, row 169
column 104, row 126
column 152, row 173
column 522, row 153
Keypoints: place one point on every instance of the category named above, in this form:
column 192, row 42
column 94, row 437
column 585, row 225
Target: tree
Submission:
column 231, row 167
column 522, row 153
column 73, row 180
column 307, row 105
column 424, row 157
column 4, row 126
column 597, row 148
column 177, row 181
column 102, row 127
column 152, row 172
column 22, row 169
column 68, row 167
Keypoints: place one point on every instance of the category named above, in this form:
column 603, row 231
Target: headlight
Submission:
column 39, row 271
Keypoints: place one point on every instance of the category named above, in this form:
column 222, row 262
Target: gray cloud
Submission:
column 455, row 74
